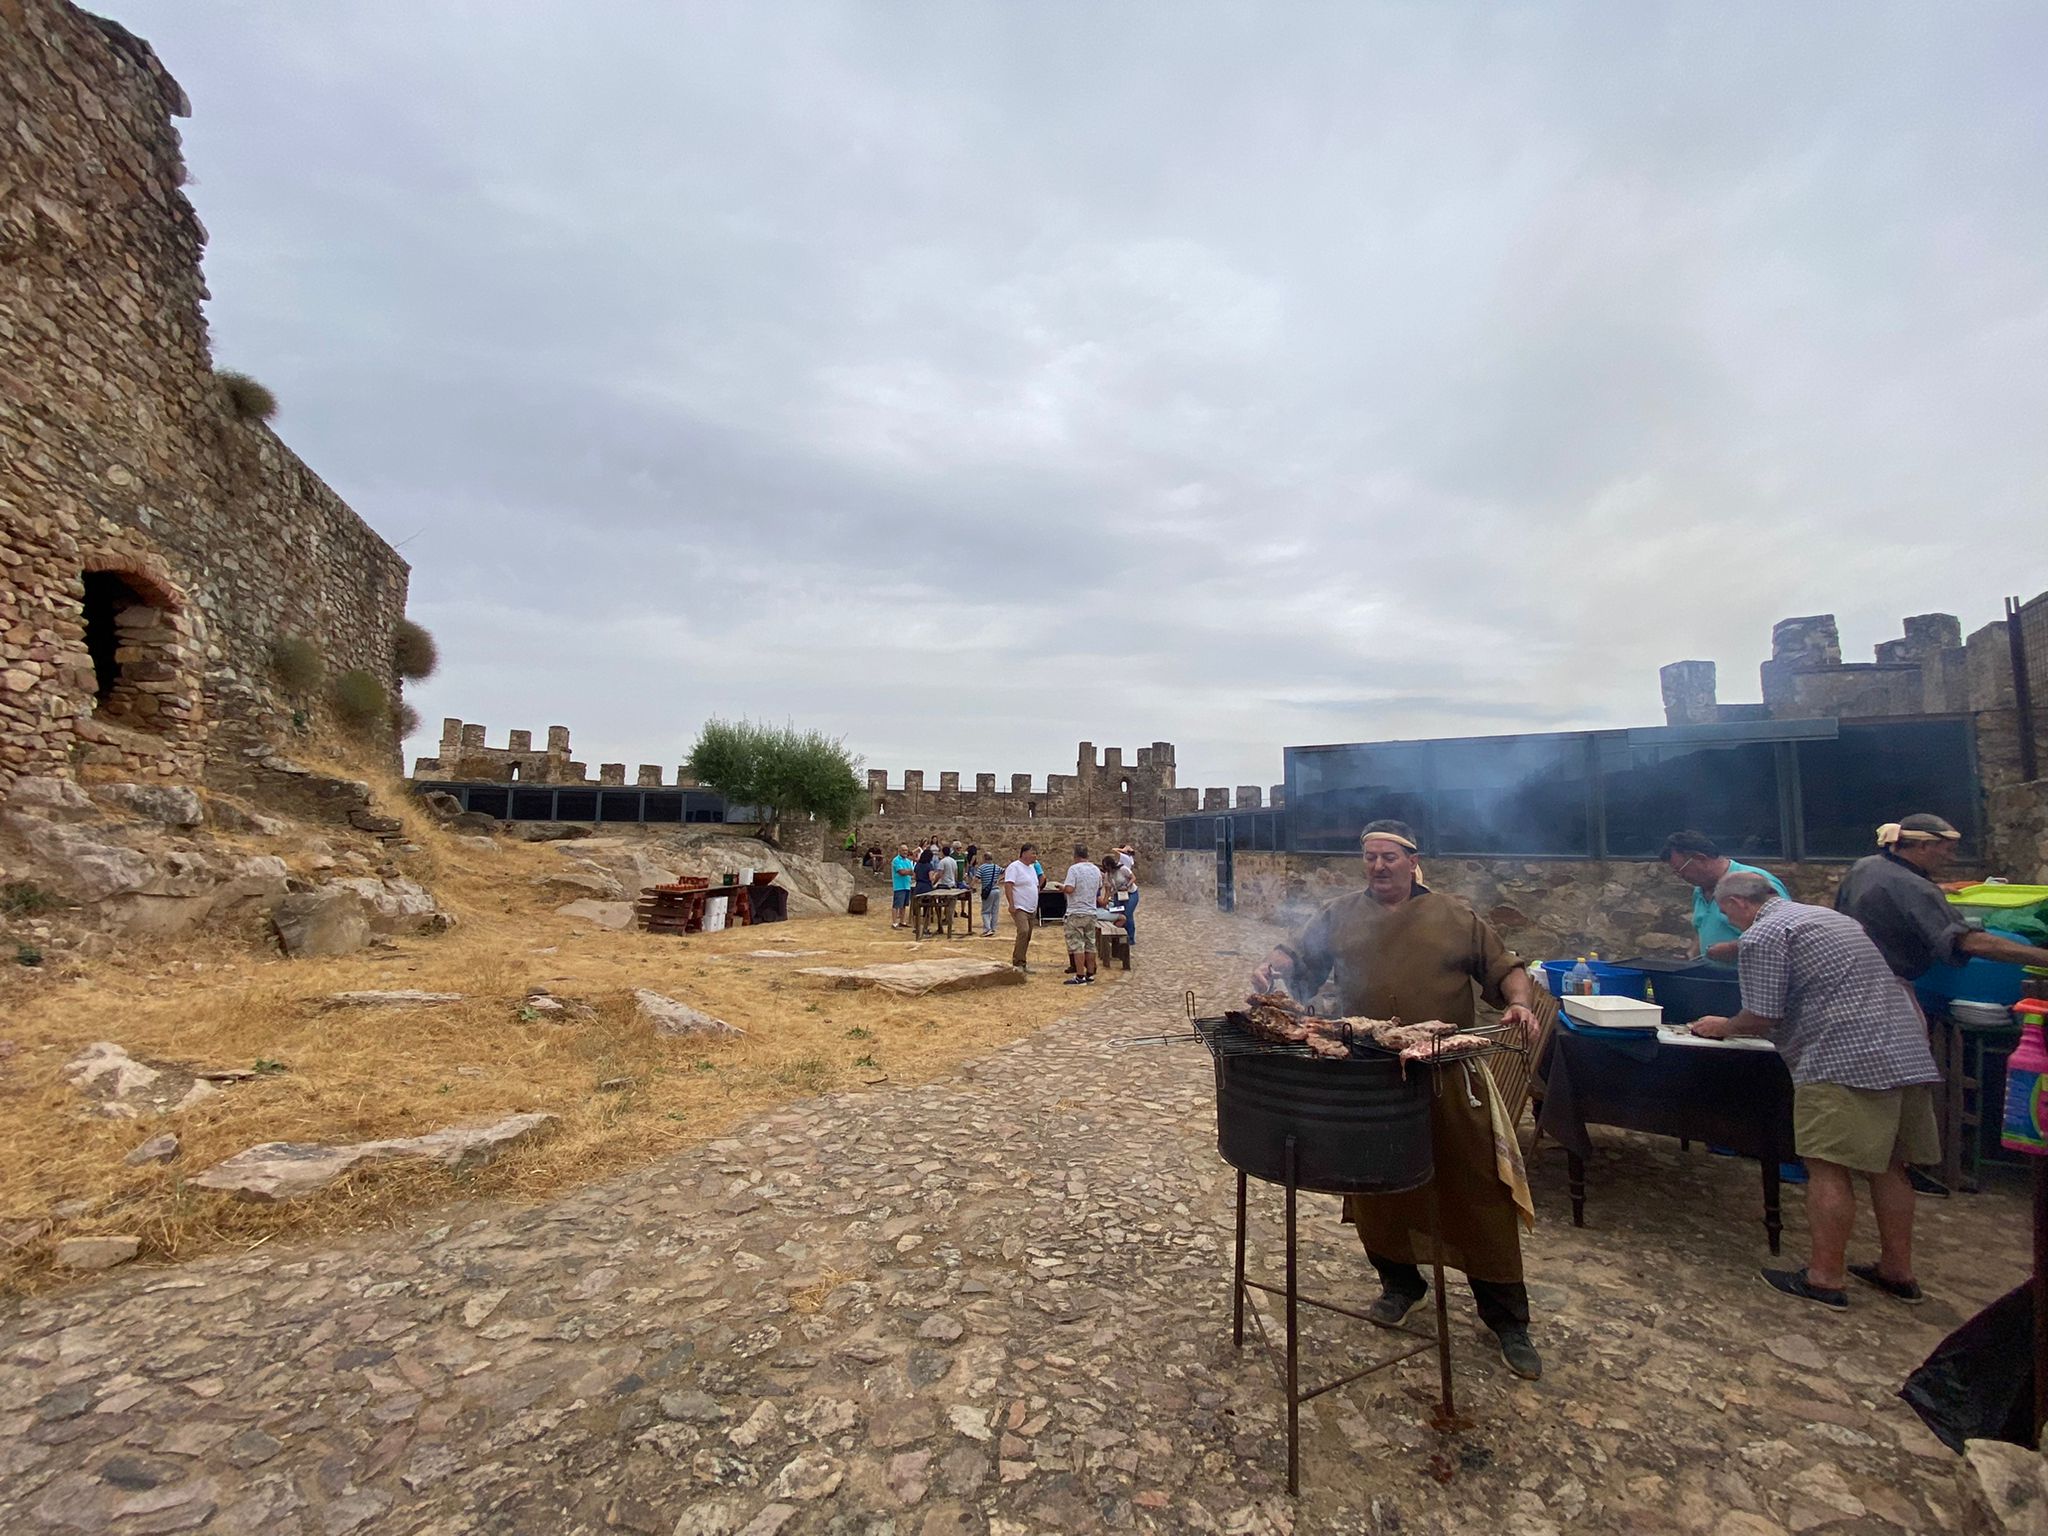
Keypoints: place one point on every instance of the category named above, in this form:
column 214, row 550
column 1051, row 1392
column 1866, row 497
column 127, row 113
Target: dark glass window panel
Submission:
column 492, row 802
column 576, row 805
column 1350, row 786
column 664, row 808
column 1880, row 771
column 1513, row 795
column 621, row 805
column 1728, row 792
column 533, row 804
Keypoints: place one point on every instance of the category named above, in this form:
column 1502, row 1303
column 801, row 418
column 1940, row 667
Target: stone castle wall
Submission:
column 464, row 755
column 1104, row 802
column 119, row 454
column 1930, row 669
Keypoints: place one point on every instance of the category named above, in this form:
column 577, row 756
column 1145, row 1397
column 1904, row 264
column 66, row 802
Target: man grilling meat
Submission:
column 1399, row 949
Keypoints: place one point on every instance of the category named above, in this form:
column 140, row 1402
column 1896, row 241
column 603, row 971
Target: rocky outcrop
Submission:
column 173, row 805
column 673, row 1019
column 817, row 887
column 917, row 978
column 396, row 904
column 290, row 1170
column 324, row 922
column 616, row 915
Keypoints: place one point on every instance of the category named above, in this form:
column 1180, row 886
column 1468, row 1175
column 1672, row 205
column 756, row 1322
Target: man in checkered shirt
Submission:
column 1853, row 1039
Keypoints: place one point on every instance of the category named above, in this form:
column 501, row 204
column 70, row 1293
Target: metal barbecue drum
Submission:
column 1360, row 1126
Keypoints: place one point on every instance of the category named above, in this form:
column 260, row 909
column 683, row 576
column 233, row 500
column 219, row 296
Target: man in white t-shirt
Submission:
column 1083, row 885
column 948, row 875
column 1020, row 891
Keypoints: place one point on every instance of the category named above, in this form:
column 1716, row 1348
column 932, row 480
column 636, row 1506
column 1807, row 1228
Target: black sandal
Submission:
column 1909, row 1291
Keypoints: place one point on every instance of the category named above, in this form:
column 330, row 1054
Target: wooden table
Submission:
column 1739, row 1097
column 932, row 912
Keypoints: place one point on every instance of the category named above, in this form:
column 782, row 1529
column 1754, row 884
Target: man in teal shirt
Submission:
column 900, row 869
column 1695, row 860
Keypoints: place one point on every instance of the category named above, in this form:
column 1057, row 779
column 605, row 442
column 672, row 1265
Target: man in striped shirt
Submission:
column 1854, row 1043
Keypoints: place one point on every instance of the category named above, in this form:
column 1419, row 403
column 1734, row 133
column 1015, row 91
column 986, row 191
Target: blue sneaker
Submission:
column 1793, row 1172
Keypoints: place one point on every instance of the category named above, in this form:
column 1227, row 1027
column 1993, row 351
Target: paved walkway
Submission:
column 995, row 1303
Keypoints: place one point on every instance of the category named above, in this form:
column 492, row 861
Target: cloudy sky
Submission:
column 972, row 379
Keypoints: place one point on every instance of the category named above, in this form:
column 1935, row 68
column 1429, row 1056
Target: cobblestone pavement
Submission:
column 998, row 1302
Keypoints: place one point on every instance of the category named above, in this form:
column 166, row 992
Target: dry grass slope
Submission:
column 365, row 1073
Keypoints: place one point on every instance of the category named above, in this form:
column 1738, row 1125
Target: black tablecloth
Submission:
column 1738, row 1099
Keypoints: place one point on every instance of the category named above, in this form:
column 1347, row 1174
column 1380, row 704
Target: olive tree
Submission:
column 787, row 772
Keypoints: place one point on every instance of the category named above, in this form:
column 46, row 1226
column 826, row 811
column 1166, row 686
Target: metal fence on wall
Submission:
column 577, row 802
column 2027, row 632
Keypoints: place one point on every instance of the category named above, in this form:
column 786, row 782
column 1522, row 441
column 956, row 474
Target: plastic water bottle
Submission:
column 2026, row 1075
column 1578, row 981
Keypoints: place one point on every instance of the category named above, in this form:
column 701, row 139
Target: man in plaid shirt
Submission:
column 1855, row 1045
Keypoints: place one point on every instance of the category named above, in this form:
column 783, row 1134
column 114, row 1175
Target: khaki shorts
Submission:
column 1081, row 934
column 1867, row 1129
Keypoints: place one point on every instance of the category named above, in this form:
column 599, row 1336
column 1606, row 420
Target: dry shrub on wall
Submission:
column 405, row 720
column 249, row 400
column 413, row 651
column 360, row 700
column 298, row 664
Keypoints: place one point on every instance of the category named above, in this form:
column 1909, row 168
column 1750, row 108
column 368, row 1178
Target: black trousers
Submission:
column 1502, row 1304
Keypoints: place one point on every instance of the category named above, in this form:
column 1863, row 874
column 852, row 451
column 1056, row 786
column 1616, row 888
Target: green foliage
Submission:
column 249, row 400
column 298, row 664
column 413, row 651
column 360, row 700
column 405, row 720
column 789, row 772
column 24, row 898
column 27, row 954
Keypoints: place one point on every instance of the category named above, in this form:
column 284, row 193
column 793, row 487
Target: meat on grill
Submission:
column 1276, row 1017
column 1279, row 1018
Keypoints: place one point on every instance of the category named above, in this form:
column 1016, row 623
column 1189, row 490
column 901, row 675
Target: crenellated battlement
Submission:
column 465, row 755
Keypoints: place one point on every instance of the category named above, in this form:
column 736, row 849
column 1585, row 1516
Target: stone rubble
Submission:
column 96, row 1252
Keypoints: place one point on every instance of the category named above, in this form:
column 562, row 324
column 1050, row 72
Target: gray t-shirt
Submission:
column 1086, row 879
column 949, row 871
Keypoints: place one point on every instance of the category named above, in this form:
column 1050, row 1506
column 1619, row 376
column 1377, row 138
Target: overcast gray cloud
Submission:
column 974, row 379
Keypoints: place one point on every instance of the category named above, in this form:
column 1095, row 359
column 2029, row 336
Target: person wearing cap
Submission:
column 1893, row 894
column 1398, row 949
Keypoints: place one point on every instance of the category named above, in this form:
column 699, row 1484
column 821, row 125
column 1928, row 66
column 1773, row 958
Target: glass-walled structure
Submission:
column 1767, row 789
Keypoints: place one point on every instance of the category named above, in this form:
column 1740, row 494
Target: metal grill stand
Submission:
column 1290, row 1362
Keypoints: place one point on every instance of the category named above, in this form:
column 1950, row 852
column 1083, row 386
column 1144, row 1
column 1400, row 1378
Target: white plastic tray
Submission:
column 1613, row 1012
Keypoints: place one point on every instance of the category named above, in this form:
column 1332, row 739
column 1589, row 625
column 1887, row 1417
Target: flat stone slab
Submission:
column 288, row 1170
column 917, row 978
column 407, row 997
